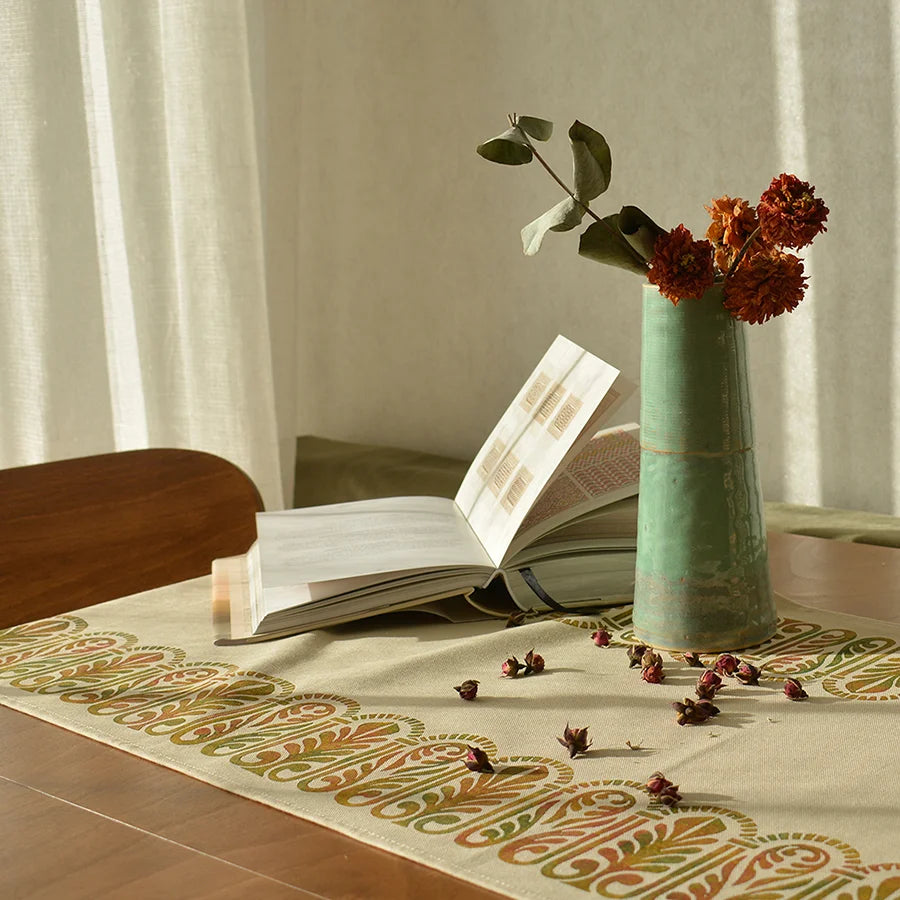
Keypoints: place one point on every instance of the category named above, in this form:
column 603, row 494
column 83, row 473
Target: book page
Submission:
column 606, row 470
column 558, row 408
column 344, row 541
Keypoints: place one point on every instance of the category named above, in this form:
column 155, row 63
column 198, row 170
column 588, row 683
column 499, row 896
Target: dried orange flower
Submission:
column 765, row 285
column 789, row 213
column 733, row 221
column 681, row 267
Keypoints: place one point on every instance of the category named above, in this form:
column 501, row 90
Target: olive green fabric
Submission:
column 337, row 471
column 330, row 471
column 840, row 524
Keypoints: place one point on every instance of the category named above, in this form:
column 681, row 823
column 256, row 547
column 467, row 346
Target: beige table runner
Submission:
column 361, row 730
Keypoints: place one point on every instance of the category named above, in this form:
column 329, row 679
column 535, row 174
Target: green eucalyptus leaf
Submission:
column 592, row 159
column 508, row 149
column 566, row 215
column 639, row 230
column 604, row 243
column 539, row 129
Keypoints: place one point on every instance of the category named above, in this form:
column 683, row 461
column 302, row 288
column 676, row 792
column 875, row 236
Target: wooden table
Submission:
column 80, row 819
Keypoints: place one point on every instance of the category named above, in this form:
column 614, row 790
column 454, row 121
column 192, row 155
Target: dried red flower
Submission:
column 793, row 690
column 511, row 667
column 707, row 707
column 635, row 654
column 789, row 212
column 657, row 783
column 653, row 674
column 534, row 663
column 747, row 673
column 601, row 637
column 733, row 221
column 575, row 740
column 681, row 267
column 726, row 664
column 691, row 713
column 660, row 788
column 708, row 685
column 693, row 660
column 477, row 760
column 468, row 690
column 765, row 285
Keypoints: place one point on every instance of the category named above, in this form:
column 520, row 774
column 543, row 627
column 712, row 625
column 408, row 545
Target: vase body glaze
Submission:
column 702, row 574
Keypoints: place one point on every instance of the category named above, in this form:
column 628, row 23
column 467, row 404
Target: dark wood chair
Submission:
column 81, row 531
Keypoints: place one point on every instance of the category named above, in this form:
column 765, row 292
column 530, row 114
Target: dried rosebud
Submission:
column 477, row 760
column 660, row 788
column 650, row 658
column 690, row 713
column 793, row 690
column 534, row 663
column 708, row 684
column 657, row 783
column 575, row 740
column 693, row 660
column 670, row 796
column 707, row 707
column 653, row 674
column 747, row 673
column 635, row 653
column 601, row 637
column 511, row 667
column 468, row 690
column 726, row 664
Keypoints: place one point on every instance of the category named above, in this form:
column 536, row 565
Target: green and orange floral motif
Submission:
column 604, row 837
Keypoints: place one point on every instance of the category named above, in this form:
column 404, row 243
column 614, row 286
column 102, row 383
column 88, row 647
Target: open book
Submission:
column 549, row 504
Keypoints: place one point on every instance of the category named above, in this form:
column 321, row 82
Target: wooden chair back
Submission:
column 81, row 531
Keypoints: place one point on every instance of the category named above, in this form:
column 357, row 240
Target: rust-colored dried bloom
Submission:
column 690, row 713
column 534, row 663
column 653, row 674
column 765, row 285
column 733, row 221
column 726, row 664
column 575, row 740
column 681, row 267
column 793, row 690
column 789, row 212
column 477, row 760
column 747, row 673
column 511, row 667
column 650, row 658
column 693, row 660
column 601, row 637
column 635, row 655
column 468, row 690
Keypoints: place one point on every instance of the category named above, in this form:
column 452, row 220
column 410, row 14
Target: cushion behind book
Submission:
column 328, row 471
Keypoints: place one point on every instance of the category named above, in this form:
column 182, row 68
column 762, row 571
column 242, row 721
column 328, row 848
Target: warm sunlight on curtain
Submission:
column 132, row 243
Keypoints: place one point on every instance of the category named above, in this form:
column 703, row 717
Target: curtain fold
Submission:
column 133, row 302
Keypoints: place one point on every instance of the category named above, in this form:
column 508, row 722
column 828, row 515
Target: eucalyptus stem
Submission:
column 743, row 251
column 552, row 174
column 514, row 123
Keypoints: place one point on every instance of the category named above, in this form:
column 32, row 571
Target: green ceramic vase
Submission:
column 702, row 574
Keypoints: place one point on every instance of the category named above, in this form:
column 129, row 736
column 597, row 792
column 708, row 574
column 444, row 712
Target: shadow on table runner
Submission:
column 393, row 773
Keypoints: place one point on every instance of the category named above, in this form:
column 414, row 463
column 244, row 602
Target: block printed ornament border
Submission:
column 604, row 837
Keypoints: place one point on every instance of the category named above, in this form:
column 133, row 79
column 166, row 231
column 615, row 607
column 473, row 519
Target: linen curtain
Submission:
column 133, row 284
